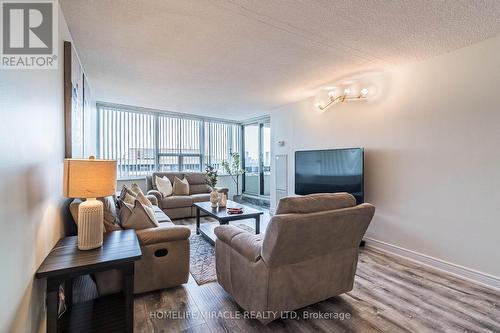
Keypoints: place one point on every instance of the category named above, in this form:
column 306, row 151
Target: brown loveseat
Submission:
column 181, row 206
column 308, row 254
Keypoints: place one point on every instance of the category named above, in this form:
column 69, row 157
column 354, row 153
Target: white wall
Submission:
column 432, row 134
column 31, row 169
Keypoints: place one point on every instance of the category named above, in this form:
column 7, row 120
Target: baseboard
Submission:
column 448, row 267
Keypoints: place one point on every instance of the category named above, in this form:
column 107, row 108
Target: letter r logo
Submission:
column 27, row 27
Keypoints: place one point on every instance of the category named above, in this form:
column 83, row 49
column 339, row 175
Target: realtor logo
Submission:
column 29, row 34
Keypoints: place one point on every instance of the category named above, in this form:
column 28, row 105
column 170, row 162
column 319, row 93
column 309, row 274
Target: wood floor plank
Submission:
column 172, row 310
column 391, row 294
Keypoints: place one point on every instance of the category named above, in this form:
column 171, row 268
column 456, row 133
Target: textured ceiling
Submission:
column 237, row 59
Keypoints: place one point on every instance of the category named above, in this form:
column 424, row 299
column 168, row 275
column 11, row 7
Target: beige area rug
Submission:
column 202, row 256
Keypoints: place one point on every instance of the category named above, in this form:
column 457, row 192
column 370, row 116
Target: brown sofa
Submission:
column 181, row 206
column 165, row 256
column 308, row 254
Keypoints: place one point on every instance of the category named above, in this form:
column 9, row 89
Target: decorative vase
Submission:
column 214, row 198
column 222, row 200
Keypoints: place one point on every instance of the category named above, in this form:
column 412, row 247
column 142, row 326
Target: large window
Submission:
column 220, row 140
column 146, row 141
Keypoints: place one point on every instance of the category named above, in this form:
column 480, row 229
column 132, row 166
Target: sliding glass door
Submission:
column 257, row 158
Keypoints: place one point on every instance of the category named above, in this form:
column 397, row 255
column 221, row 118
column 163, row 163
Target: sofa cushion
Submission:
column 166, row 224
column 181, row 187
column 315, row 203
column 161, row 217
column 176, row 201
column 198, row 188
column 201, row 197
column 196, row 178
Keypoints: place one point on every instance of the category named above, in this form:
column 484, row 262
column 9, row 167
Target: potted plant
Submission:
column 233, row 168
column 211, row 177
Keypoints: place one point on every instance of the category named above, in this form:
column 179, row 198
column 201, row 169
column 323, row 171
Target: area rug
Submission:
column 202, row 256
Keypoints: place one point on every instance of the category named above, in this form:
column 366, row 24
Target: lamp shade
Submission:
column 89, row 178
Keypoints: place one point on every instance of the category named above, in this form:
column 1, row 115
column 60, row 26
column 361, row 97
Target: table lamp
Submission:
column 89, row 179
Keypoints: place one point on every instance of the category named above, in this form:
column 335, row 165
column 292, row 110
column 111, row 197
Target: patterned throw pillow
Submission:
column 181, row 187
column 164, row 186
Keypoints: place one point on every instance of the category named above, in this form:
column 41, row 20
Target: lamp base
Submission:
column 90, row 226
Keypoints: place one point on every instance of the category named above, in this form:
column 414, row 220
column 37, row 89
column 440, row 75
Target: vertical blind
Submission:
column 143, row 142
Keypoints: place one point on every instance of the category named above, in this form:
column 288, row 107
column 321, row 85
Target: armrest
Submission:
column 162, row 234
column 243, row 242
column 153, row 199
column 224, row 190
column 157, row 194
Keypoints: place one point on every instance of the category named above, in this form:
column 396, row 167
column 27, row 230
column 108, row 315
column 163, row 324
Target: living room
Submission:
column 358, row 139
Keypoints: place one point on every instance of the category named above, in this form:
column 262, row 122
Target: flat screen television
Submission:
column 330, row 171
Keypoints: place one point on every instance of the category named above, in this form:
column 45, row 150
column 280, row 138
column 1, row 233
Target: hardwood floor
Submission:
column 390, row 295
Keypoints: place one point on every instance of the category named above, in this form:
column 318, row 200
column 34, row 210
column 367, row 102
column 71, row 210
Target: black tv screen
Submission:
column 330, row 171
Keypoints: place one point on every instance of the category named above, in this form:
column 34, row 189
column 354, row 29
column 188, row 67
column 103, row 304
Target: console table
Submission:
column 120, row 250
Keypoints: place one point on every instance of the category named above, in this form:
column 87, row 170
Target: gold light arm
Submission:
column 341, row 98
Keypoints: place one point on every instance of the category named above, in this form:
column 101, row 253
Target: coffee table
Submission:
column 221, row 215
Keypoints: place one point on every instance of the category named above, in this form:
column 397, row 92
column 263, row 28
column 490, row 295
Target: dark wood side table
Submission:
column 120, row 250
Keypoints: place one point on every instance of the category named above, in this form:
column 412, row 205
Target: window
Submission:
column 257, row 157
column 220, row 140
column 145, row 141
column 128, row 138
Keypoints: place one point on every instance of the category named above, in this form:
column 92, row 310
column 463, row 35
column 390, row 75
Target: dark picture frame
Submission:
column 77, row 104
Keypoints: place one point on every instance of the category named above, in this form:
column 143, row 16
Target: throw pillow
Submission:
column 143, row 200
column 135, row 188
column 125, row 189
column 164, row 186
column 111, row 220
column 181, row 187
column 128, row 199
column 137, row 216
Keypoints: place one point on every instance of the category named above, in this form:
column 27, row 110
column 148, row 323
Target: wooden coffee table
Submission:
column 221, row 215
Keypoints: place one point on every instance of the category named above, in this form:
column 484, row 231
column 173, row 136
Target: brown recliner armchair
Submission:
column 308, row 254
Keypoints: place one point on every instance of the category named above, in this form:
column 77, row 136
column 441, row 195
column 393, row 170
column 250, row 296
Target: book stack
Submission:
column 234, row 211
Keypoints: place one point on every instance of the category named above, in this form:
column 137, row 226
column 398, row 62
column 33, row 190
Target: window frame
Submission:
column 179, row 154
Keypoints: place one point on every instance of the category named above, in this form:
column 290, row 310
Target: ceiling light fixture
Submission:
column 346, row 96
